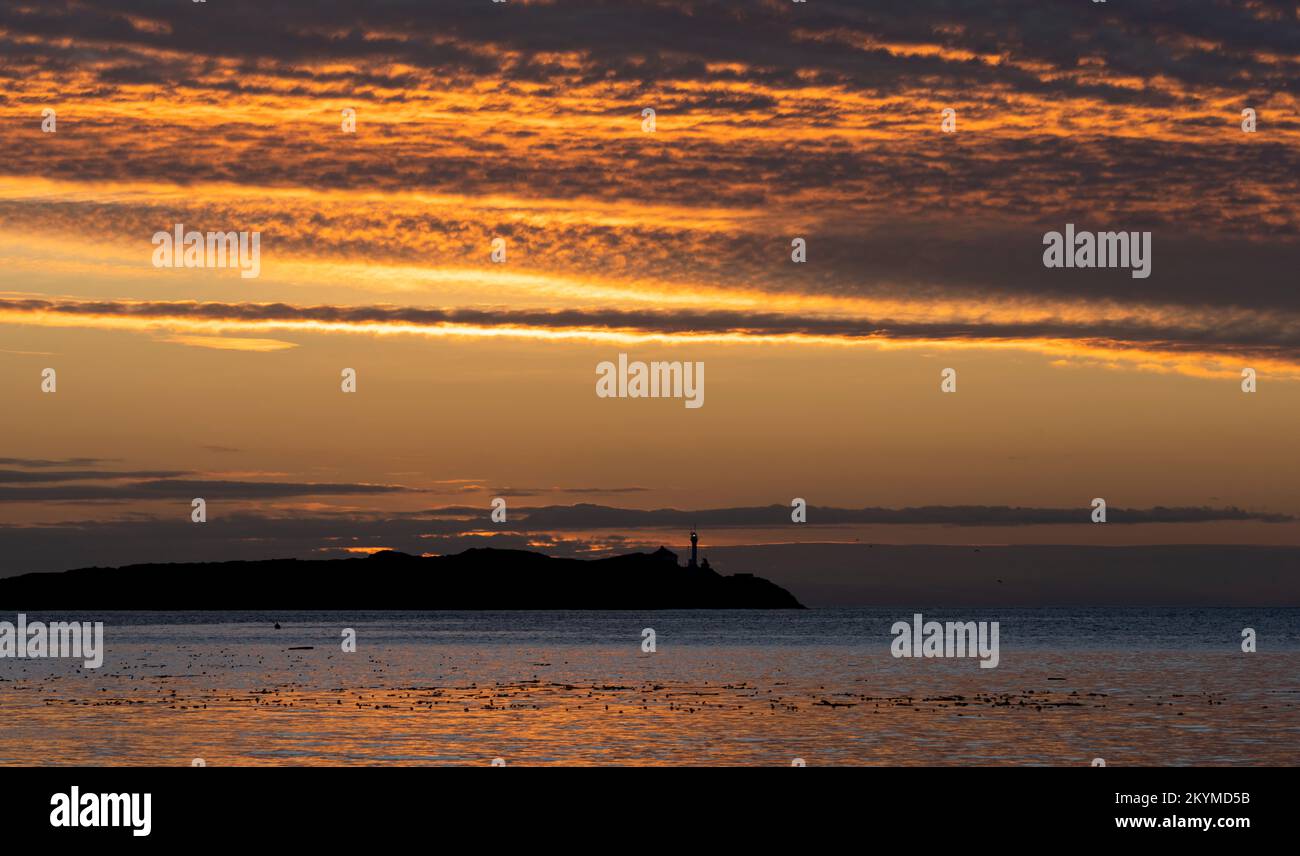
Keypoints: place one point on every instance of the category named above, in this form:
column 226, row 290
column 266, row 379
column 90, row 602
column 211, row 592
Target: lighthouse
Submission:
column 695, row 541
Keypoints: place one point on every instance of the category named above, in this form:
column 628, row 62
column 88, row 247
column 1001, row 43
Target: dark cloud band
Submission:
column 1278, row 338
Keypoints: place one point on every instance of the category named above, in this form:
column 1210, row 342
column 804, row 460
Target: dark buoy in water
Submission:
column 277, row 625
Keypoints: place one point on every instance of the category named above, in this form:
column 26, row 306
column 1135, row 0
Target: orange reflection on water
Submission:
column 829, row 705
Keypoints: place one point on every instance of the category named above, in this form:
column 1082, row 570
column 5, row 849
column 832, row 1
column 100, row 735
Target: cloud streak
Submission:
column 1273, row 340
column 570, row 530
column 187, row 489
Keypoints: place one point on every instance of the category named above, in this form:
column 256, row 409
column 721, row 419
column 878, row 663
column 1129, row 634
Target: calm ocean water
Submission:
column 1062, row 628
column 1132, row 686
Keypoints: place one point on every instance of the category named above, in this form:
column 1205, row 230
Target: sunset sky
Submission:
column 524, row 121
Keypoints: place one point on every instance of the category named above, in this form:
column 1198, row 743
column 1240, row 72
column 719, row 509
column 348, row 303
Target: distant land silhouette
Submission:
column 480, row 578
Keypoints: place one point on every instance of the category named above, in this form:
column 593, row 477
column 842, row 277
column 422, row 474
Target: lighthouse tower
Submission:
column 695, row 540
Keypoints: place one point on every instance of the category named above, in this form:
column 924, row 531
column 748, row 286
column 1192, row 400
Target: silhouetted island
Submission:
column 480, row 578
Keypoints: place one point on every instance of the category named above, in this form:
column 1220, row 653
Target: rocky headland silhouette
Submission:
column 479, row 578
